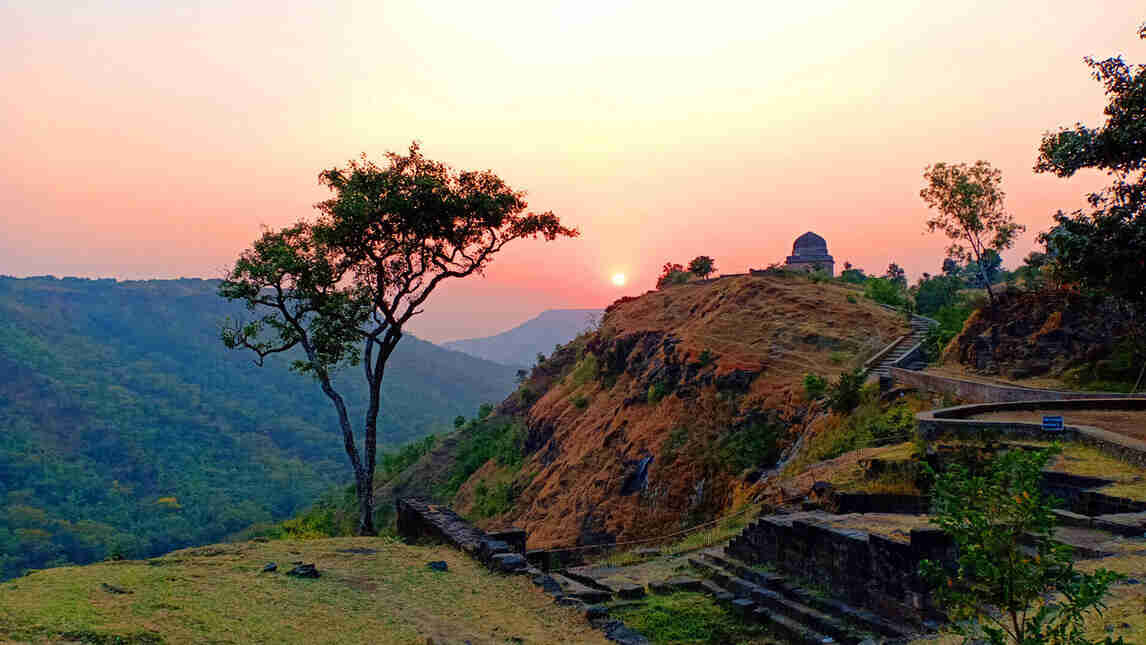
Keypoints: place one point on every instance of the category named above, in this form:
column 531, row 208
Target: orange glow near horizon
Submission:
column 146, row 140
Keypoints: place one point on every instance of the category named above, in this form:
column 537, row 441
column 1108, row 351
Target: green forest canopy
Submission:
column 127, row 428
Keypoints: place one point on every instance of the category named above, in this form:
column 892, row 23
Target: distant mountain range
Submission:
column 126, row 427
column 520, row 346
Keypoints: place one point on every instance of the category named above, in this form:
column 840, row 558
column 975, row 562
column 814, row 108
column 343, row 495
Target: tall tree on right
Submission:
column 968, row 204
column 1105, row 248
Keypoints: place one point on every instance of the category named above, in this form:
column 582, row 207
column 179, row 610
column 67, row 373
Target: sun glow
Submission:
column 619, row 279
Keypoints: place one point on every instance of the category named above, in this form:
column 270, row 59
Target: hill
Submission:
column 128, row 428
column 521, row 345
column 663, row 417
column 369, row 591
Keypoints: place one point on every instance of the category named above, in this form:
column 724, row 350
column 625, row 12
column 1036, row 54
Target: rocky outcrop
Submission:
column 1035, row 334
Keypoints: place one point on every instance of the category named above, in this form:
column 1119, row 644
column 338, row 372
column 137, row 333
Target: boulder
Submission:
column 304, row 571
column 508, row 563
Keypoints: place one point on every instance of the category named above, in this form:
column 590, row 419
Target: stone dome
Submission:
column 810, row 244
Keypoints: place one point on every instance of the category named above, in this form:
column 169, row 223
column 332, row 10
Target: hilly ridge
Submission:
column 521, row 345
column 127, row 428
column 665, row 416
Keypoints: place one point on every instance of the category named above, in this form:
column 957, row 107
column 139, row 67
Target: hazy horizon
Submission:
column 156, row 141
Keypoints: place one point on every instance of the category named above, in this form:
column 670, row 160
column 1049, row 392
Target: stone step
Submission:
column 861, row 618
column 789, row 629
column 776, row 604
column 574, row 589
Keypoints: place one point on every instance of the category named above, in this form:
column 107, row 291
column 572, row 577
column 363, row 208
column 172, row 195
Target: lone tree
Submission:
column 702, row 266
column 969, row 209
column 1105, row 248
column 341, row 288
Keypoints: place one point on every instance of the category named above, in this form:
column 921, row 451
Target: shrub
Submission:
column 657, row 391
column 837, row 358
column 844, row 394
column 1008, row 565
column 580, row 401
column 852, row 299
column 484, row 410
column 750, row 447
column 585, row 370
column 459, row 421
column 676, row 440
column 814, row 386
column 883, row 291
column 706, row 358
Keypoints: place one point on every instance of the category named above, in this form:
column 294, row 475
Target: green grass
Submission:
column 689, row 618
column 218, row 594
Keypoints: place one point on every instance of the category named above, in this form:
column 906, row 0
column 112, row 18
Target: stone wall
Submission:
column 419, row 520
column 954, row 422
column 870, row 570
column 977, row 392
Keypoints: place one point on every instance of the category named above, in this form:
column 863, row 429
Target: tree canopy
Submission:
column 1105, row 248
column 342, row 288
column 968, row 200
column 702, row 266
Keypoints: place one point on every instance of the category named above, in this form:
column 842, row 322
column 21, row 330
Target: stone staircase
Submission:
column 791, row 612
column 882, row 365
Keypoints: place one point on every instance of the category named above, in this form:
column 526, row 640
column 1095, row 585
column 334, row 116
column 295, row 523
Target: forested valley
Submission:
column 128, row 430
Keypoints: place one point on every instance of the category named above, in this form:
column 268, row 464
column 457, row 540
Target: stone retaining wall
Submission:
column 954, row 422
column 977, row 392
column 870, row 570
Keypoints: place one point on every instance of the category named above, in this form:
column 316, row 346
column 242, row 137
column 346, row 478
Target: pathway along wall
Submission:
column 978, row 392
column 955, row 422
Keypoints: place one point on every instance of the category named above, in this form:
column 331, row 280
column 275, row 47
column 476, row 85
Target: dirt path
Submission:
column 1131, row 423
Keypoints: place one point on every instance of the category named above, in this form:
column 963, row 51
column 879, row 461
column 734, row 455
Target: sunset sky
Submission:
column 155, row 139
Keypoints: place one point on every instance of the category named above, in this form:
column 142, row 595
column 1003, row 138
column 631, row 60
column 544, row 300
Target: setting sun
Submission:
column 619, row 279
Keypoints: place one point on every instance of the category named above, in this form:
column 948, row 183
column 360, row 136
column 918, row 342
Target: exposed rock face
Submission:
column 1034, row 334
column 640, row 428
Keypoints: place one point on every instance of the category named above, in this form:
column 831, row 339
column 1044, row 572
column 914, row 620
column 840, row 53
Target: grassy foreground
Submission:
column 217, row 594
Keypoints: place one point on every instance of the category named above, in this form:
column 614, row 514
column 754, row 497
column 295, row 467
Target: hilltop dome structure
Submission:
column 810, row 253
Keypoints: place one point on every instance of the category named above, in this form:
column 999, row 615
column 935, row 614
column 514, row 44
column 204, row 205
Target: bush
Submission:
column 951, row 319
column 1009, row 567
column 485, row 439
column 657, row 391
column 852, row 299
column 814, row 386
column 585, row 370
column 836, row 358
column 677, row 439
column 750, row 447
column 580, row 401
column 883, row 291
column 844, row 394
column 706, row 358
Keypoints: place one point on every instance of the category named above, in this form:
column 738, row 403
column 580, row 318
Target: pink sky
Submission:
column 154, row 141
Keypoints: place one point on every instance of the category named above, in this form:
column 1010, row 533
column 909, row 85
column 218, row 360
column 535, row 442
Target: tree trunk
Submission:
column 364, row 485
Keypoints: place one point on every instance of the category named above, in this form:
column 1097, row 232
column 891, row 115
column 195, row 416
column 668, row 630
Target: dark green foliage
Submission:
column 883, row 291
column 657, row 391
column 814, row 386
column 869, row 424
column 586, row 370
column 670, row 449
column 852, row 299
column 484, row 439
column 115, row 395
column 896, row 275
column 706, row 358
column 852, row 275
column 484, row 410
column 1008, row 562
column 702, row 266
column 750, row 447
column 844, row 393
column 459, row 421
column 935, row 292
column 580, row 401
column 951, row 319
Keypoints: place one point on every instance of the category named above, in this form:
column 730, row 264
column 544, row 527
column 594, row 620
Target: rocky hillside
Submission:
column 666, row 415
column 1055, row 334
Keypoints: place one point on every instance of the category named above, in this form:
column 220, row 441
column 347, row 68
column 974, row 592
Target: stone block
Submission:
column 508, row 563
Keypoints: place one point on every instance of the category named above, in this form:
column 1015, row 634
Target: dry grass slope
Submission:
column 217, row 594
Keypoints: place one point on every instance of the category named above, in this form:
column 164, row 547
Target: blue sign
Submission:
column 1052, row 424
